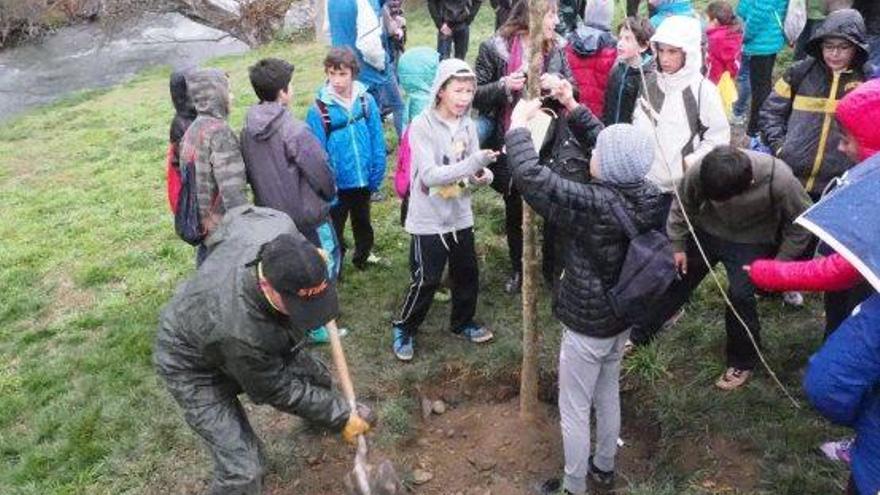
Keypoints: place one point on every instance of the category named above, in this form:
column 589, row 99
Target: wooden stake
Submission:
column 528, row 391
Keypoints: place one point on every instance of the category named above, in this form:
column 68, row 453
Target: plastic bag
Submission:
column 369, row 35
column 795, row 20
column 727, row 89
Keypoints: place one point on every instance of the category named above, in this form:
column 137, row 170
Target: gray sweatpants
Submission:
column 589, row 371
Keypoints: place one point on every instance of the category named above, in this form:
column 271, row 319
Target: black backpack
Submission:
column 647, row 273
column 187, row 219
column 329, row 128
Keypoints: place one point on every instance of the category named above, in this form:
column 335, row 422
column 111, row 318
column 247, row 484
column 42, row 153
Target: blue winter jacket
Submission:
column 670, row 8
column 762, row 23
column 342, row 17
column 843, row 383
column 356, row 142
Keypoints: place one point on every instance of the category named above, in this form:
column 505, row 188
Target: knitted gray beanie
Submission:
column 625, row 154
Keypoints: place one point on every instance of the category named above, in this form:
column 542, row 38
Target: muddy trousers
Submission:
column 239, row 460
column 589, row 374
column 428, row 255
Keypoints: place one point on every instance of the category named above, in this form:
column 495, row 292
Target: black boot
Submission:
column 553, row 486
column 514, row 283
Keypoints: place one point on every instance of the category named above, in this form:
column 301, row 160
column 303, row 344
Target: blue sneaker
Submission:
column 476, row 334
column 403, row 345
column 755, row 144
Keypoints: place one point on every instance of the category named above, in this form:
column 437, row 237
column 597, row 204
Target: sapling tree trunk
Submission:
column 528, row 392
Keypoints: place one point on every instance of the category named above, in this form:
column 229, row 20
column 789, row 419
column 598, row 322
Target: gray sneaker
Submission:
column 476, row 334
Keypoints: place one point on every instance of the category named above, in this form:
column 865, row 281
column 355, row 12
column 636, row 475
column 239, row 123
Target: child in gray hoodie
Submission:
column 446, row 161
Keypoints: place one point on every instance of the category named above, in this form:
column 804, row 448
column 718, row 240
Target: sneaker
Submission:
column 738, row 120
column 372, row 260
column 792, row 298
column 377, row 197
column 628, row 348
column 442, row 295
column 553, row 486
column 514, row 283
column 840, row 450
column 321, row 336
column 604, row 480
column 755, row 144
column 673, row 320
column 476, row 334
column 733, row 379
column 403, row 345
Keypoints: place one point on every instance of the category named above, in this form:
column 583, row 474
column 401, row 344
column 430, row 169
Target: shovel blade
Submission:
column 367, row 479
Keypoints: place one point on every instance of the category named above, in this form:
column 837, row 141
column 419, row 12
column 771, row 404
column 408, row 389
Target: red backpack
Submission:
column 172, row 178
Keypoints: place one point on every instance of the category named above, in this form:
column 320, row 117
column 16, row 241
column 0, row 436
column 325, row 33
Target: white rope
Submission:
column 703, row 252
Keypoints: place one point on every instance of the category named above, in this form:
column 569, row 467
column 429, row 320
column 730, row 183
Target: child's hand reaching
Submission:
column 483, row 177
column 523, row 112
column 489, row 156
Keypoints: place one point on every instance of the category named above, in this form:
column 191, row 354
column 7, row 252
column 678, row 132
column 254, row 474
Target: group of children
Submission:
column 639, row 130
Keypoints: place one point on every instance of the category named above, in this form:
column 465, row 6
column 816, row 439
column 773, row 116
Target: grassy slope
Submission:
column 88, row 257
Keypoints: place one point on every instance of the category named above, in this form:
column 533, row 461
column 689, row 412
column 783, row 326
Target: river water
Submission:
column 83, row 57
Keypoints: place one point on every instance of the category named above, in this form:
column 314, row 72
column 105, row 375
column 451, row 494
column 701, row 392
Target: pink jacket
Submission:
column 724, row 52
column 827, row 274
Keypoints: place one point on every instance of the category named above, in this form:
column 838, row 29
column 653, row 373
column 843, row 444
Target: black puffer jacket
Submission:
column 797, row 119
column 569, row 144
column 492, row 98
column 870, row 10
column 624, row 84
column 582, row 213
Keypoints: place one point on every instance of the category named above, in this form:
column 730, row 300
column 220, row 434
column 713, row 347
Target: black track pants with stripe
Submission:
column 428, row 255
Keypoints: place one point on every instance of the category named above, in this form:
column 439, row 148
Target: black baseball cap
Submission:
column 295, row 268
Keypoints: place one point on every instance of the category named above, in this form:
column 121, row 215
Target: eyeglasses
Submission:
column 830, row 46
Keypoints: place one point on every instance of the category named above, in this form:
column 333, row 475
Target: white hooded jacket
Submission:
column 673, row 131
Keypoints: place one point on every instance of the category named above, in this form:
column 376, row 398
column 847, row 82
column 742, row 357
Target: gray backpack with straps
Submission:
column 647, row 273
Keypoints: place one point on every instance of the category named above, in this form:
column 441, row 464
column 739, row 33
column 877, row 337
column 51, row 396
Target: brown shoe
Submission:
column 733, row 379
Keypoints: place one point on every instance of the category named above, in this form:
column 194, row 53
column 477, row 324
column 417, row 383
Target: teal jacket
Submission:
column 416, row 70
column 670, row 8
column 762, row 21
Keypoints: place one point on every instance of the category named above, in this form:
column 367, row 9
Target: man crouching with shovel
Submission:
column 238, row 325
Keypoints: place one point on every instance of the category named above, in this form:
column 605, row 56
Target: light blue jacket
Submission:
column 356, row 142
column 670, row 8
column 762, row 21
column 416, row 70
column 342, row 17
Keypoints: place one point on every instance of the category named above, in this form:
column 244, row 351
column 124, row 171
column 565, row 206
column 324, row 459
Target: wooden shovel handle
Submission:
column 341, row 365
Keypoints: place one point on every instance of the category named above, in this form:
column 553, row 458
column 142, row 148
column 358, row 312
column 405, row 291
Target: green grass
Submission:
column 88, row 257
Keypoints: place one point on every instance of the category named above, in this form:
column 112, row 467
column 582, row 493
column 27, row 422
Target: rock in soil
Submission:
column 439, row 407
column 482, row 463
column 421, row 476
column 427, row 407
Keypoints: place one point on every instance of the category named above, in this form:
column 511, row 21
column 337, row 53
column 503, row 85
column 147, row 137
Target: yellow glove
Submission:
column 356, row 426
